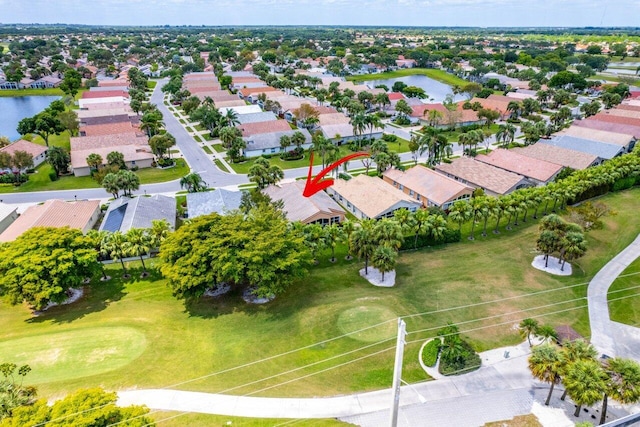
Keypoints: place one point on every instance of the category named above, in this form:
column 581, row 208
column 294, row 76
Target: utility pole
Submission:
column 397, row 372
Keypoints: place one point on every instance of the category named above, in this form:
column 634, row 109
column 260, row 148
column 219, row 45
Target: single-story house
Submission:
column 427, row 186
column 611, row 127
column 603, row 150
column 8, row 214
column 98, row 103
column 240, row 111
column 134, row 156
column 39, row 152
column 219, row 201
column 538, row 171
column 625, row 140
column 562, row 156
column 103, row 120
column 247, row 93
column 368, row 197
column 103, row 112
column 317, row 209
column 46, row 82
column 126, row 213
column 105, row 94
column 460, row 117
column 81, row 214
column 269, row 143
column 109, row 129
column 605, row 117
column 494, row 181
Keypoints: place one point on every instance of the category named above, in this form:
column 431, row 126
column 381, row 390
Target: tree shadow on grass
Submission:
column 98, row 295
column 212, row 307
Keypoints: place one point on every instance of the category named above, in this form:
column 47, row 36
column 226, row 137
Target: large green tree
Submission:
column 42, row 265
column 257, row 250
column 43, row 124
column 59, row 160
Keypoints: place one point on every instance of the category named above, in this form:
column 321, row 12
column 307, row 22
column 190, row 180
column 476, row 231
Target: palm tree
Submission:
column 478, row 204
column 138, row 243
column 359, row 123
column 97, row 237
column 193, row 182
column 111, row 184
column 547, row 333
column 333, row 235
column 348, row 227
column 585, row 381
column 622, row 384
column 94, row 161
column 489, row 210
column 574, row 351
column 388, row 233
column 527, row 328
column 515, row 108
column 545, row 364
column 420, row 222
column 363, row 245
column 115, row 246
column 574, row 246
column 460, row 212
column 159, row 231
column 384, row 259
column 373, row 121
column 230, row 117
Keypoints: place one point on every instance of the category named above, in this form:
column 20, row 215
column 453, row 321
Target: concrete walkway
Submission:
column 609, row 337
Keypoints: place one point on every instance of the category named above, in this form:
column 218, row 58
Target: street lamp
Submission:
column 75, row 197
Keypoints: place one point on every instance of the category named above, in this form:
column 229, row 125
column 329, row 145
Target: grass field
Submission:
column 481, row 285
column 31, row 92
column 40, row 181
column 624, row 297
column 439, row 75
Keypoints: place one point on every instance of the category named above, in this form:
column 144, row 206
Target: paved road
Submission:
column 612, row 338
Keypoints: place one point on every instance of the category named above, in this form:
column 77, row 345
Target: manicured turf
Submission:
column 190, row 420
column 439, row 75
column 487, row 277
column 624, row 301
column 40, row 181
column 31, row 92
column 207, row 149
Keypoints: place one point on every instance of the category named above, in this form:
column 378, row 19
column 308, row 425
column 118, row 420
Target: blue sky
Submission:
column 575, row 13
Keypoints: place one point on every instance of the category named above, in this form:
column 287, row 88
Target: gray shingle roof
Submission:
column 219, row 201
column 600, row 149
column 272, row 140
column 140, row 211
column 256, row 117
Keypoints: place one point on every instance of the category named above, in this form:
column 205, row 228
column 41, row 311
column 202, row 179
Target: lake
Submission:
column 436, row 91
column 14, row 109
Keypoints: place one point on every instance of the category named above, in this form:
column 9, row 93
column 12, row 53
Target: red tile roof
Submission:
column 104, row 94
column 22, row 145
column 108, row 129
column 511, row 161
column 249, row 129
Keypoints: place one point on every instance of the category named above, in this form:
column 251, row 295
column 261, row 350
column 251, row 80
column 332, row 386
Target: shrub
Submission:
column 389, row 137
column 31, row 170
column 10, row 178
column 624, row 183
column 430, row 352
column 449, row 236
column 295, row 154
column 344, row 176
column 402, row 121
column 104, row 207
column 470, row 361
column 134, row 168
column 53, row 176
column 163, row 163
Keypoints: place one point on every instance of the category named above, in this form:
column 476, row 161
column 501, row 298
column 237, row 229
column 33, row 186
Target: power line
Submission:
column 347, row 335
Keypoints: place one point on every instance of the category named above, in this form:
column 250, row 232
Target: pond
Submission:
column 436, row 91
column 14, row 109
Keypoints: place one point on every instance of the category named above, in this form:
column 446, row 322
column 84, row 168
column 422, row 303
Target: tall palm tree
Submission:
column 545, row 364
column 193, row 182
column 622, row 384
column 419, row 223
column 362, row 244
column 97, row 237
column 138, row 243
column 159, row 231
column 334, row 234
column 478, row 204
column 384, row 259
column 547, row 333
column 574, row 351
column 348, row 227
column 114, row 245
column 527, row 328
column 585, row 381
column 460, row 212
column 489, row 210
column 388, row 233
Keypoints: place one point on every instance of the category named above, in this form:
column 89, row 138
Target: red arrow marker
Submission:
column 314, row 185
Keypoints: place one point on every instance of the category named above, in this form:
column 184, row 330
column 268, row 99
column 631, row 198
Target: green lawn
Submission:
column 218, row 148
column 31, row 92
column 151, row 84
column 40, row 181
column 188, row 420
column 153, row 340
column 439, row 75
column 221, row 165
column 623, row 296
column 207, row 149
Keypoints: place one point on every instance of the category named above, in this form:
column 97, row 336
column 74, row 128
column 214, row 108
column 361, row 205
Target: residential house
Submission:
column 263, row 116
column 109, row 129
column 320, row 208
column 8, row 214
column 600, row 149
column 269, row 143
column 368, row 197
column 604, row 117
column 626, row 141
column 105, row 94
column 494, row 181
column 447, row 118
column 427, row 186
column 538, row 171
column 219, row 201
column 610, row 127
column 246, row 93
column 126, row 213
column 136, row 150
column 562, row 156
column 39, row 152
column 81, row 214
column 46, row 82
column 241, row 110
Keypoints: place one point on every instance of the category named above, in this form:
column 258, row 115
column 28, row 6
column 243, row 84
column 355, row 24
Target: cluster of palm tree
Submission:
column 517, row 205
column 193, row 182
column 264, row 173
column 531, row 327
column 506, row 134
column 361, row 122
column 432, row 142
column 121, row 180
column 136, row 242
column 378, row 242
column 586, row 379
column 565, row 238
column 471, row 139
column 151, row 121
column 212, row 119
column 231, row 138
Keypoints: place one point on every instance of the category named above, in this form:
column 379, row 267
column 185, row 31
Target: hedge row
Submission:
column 430, row 352
column 449, row 236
